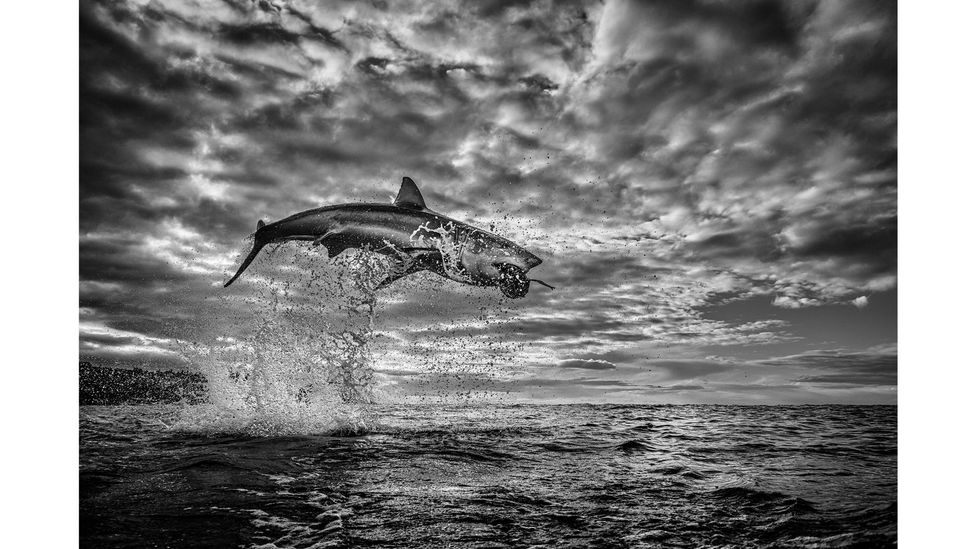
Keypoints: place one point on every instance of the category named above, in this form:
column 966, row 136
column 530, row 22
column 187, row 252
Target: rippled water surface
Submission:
column 502, row 476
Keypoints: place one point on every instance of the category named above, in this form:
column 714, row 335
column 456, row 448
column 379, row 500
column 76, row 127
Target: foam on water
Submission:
column 451, row 251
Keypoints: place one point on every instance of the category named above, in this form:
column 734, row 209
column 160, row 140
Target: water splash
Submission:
column 448, row 243
column 302, row 350
column 306, row 366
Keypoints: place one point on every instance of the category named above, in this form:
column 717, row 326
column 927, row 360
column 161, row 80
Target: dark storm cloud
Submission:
column 568, row 327
column 752, row 103
column 124, row 260
column 655, row 154
column 599, row 267
column 543, row 382
column 683, row 388
column 864, row 368
column 854, row 378
column 676, row 370
column 874, row 244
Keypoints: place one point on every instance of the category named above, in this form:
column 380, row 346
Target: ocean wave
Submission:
column 514, row 476
column 631, row 446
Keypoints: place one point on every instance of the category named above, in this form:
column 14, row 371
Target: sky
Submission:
column 712, row 185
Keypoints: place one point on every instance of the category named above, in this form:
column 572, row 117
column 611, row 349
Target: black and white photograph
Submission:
column 411, row 274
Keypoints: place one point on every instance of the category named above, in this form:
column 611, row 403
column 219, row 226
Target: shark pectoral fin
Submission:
column 419, row 259
column 332, row 241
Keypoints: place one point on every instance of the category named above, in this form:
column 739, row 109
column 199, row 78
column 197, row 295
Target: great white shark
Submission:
column 417, row 238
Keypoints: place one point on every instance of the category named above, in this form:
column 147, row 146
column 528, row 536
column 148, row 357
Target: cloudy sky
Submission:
column 712, row 185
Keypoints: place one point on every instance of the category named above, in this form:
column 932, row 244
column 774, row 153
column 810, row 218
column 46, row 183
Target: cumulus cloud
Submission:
column 657, row 156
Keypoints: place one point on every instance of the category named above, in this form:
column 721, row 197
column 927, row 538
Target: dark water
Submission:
column 507, row 476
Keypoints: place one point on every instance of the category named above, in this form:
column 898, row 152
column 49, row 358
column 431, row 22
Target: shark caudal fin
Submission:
column 258, row 244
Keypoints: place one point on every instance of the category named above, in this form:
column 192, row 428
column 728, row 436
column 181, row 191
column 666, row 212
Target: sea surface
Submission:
column 495, row 476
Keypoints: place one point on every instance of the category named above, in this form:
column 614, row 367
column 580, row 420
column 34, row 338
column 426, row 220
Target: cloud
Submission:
column 676, row 370
column 105, row 344
column 683, row 388
column 656, row 155
column 873, row 367
column 586, row 364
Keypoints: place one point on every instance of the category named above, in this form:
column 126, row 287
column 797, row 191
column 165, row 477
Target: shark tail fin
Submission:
column 258, row 245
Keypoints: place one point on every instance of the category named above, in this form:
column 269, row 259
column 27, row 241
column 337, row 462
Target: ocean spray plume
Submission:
column 298, row 356
column 306, row 367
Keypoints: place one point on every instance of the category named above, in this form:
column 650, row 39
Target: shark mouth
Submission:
column 514, row 282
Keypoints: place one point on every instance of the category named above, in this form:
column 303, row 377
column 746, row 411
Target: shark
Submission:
column 416, row 238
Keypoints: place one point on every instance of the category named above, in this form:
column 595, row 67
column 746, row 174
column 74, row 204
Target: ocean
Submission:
column 474, row 475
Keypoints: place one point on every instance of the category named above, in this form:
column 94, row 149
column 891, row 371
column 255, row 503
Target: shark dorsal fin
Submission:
column 409, row 196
